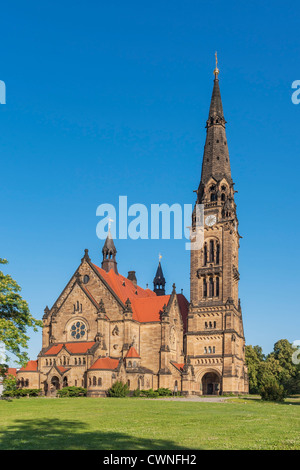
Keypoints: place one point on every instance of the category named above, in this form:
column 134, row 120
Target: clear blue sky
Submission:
column 111, row 98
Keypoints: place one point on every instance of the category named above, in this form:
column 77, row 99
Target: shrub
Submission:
column 272, row 392
column 118, row 390
column 22, row 392
column 71, row 392
column 149, row 393
column 164, row 392
column 136, row 393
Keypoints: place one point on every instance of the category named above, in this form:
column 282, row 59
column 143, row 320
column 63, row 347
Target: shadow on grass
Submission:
column 287, row 401
column 56, row 434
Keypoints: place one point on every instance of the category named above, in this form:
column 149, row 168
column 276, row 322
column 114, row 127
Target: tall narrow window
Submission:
column 218, row 254
column 211, row 251
column 205, row 255
column 211, row 287
column 217, row 286
column 204, row 288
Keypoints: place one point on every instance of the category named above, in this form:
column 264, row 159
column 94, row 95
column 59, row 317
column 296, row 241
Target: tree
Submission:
column 15, row 318
column 119, row 390
column 287, row 372
column 254, row 359
column 10, row 383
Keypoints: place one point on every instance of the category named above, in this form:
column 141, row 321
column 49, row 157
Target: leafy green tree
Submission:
column 287, row 372
column 10, row 383
column 118, row 390
column 15, row 318
column 254, row 359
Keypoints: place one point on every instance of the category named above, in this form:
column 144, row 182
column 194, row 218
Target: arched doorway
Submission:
column 211, row 384
column 54, row 385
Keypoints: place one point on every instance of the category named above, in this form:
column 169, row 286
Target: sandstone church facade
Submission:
column 105, row 328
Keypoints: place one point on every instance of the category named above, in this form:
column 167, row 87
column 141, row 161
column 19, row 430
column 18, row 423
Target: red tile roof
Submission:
column 11, row 371
column 146, row 305
column 61, row 369
column 105, row 363
column 178, row 366
column 31, row 366
column 132, row 353
column 73, row 348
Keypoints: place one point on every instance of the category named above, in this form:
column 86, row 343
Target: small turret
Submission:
column 159, row 281
column 109, row 254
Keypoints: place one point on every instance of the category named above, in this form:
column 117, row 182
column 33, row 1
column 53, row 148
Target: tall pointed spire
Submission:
column 109, row 254
column 216, row 162
column 159, row 281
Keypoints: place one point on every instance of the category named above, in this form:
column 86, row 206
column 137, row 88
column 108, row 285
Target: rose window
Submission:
column 78, row 330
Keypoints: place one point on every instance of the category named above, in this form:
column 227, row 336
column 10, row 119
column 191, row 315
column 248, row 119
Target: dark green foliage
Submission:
column 72, row 392
column 164, row 392
column 118, row 390
column 272, row 391
column 22, row 392
column 15, row 318
column 277, row 367
column 150, row 393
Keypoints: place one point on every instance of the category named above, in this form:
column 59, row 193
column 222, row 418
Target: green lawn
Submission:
column 133, row 423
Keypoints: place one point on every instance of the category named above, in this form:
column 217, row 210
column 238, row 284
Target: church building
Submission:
column 105, row 328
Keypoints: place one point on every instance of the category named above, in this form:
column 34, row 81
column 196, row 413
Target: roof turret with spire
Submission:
column 159, row 281
column 216, row 162
column 109, row 254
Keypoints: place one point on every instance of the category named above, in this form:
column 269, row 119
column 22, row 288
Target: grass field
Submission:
column 133, row 423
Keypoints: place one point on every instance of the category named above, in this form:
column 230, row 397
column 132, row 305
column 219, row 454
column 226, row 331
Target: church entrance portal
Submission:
column 211, row 384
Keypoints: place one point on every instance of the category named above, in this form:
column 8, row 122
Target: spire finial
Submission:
column 216, row 71
column 159, row 257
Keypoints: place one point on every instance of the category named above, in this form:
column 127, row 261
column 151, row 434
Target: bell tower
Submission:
column 215, row 343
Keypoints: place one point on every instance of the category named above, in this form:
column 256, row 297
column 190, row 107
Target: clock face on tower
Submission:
column 210, row 220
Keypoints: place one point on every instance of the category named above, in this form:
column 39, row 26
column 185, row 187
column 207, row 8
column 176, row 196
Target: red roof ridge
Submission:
column 72, row 347
column 31, row 366
column 178, row 366
column 105, row 363
column 132, row 352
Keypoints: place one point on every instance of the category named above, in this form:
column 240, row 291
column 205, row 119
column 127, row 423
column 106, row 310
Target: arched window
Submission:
column 99, row 381
column 79, row 361
column 94, row 381
column 210, row 324
column 205, row 255
column 217, row 286
column 209, row 349
column 211, row 251
column 128, row 383
column 75, row 360
column 223, row 197
column 134, row 363
column 218, row 254
column 204, row 288
column 129, row 364
column 205, row 350
column 26, row 383
column 215, row 324
column 211, row 287
column 213, row 197
column 90, row 381
column 75, row 383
